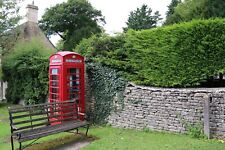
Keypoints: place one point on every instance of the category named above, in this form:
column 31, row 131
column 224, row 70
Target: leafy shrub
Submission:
column 26, row 71
column 109, row 51
column 195, row 131
column 180, row 55
column 100, row 46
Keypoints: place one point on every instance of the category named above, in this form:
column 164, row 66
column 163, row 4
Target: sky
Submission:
column 116, row 12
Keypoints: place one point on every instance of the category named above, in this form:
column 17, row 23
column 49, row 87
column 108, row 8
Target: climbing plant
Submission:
column 106, row 87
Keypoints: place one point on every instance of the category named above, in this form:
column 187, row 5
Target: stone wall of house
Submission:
column 169, row 109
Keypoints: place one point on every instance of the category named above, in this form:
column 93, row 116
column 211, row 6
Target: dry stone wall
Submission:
column 169, row 109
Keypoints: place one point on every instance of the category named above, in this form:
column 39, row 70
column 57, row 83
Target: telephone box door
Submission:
column 54, row 90
column 54, row 84
column 74, row 86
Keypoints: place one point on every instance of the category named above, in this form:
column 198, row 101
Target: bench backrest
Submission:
column 36, row 116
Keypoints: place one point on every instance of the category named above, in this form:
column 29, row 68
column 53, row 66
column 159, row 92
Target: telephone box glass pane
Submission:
column 55, row 77
column 54, row 96
column 73, row 77
column 54, row 90
column 55, row 71
column 55, row 83
column 73, row 83
column 72, row 70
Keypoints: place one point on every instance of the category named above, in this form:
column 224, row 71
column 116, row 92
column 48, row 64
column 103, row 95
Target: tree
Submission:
column 214, row 8
column 9, row 18
column 197, row 9
column 72, row 21
column 142, row 18
column 172, row 7
column 171, row 10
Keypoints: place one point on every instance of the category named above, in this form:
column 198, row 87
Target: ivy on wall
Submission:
column 106, row 87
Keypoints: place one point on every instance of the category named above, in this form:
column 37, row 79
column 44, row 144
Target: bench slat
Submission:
column 11, row 109
column 51, row 130
column 22, row 109
column 66, row 114
column 30, row 114
column 39, row 113
column 44, row 123
column 33, row 126
column 30, row 120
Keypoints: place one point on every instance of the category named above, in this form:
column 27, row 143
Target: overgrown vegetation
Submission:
column 106, row 89
column 181, row 55
column 25, row 69
column 195, row 130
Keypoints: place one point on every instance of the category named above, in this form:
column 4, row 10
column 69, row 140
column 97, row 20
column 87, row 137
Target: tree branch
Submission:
column 61, row 36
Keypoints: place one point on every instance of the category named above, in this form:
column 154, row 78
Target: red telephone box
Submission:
column 67, row 81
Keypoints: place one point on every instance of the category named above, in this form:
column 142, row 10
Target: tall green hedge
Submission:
column 25, row 68
column 180, row 55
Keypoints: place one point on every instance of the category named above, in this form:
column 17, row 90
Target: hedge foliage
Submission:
column 25, row 69
column 180, row 55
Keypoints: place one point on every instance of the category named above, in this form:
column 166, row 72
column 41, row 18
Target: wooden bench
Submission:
column 36, row 121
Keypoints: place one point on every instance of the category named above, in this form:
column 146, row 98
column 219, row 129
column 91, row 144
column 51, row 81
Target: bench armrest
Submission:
column 83, row 114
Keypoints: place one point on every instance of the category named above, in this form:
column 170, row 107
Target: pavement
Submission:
column 73, row 146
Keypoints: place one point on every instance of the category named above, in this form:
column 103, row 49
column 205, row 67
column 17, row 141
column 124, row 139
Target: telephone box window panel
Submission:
column 55, row 71
column 66, row 80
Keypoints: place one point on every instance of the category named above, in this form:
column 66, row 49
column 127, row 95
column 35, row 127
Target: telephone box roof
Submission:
column 64, row 53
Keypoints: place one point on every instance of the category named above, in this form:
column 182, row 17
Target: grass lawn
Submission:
column 109, row 138
column 123, row 139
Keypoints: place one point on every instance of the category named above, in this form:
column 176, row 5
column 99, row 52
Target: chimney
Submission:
column 32, row 13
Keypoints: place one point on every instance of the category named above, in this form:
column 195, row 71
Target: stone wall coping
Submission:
column 131, row 85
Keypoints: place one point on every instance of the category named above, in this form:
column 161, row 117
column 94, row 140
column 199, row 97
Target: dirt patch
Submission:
column 70, row 141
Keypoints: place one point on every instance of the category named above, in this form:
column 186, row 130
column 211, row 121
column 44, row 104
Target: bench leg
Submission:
column 12, row 143
column 77, row 131
column 87, row 130
column 20, row 146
